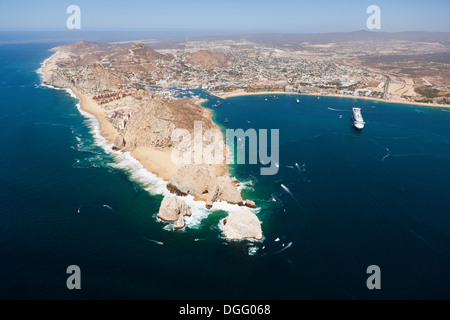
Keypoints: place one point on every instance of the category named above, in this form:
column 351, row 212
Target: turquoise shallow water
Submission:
column 380, row 196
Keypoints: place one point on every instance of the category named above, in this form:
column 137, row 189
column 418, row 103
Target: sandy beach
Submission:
column 90, row 106
column 157, row 161
column 238, row 93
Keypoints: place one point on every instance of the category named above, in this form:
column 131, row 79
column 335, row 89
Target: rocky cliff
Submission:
column 173, row 209
column 153, row 124
column 197, row 179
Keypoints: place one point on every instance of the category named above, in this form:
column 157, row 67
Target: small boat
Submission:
column 298, row 101
column 357, row 119
column 226, row 120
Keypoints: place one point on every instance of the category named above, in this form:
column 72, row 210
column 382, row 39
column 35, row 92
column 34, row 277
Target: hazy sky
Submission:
column 228, row 15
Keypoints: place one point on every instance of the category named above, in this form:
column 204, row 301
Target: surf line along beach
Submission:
column 146, row 138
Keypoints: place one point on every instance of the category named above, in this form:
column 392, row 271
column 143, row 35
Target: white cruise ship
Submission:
column 357, row 119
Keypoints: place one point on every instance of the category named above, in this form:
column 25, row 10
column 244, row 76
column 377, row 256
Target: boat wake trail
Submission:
column 387, row 155
column 155, row 241
column 279, row 251
column 301, row 168
column 106, row 206
column 287, row 190
column 290, row 193
column 286, row 247
column 341, row 110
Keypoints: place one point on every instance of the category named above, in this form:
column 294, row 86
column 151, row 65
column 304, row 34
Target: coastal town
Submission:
column 225, row 66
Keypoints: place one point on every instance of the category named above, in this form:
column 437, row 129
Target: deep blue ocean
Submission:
column 352, row 199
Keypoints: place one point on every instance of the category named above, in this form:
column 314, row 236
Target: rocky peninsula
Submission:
column 140, row 122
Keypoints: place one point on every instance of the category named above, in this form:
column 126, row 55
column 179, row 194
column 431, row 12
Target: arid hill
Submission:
column 99, row 66
column 82, row 47
column 209, row 60
column 138, row 53
column 137, row 58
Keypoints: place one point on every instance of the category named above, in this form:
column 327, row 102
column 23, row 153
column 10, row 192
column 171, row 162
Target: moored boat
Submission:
column 357, row 119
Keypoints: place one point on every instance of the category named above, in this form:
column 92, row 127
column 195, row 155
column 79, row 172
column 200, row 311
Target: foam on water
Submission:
column 252, row 250
column 41, row 73
column 341, row 110
column 246, row 184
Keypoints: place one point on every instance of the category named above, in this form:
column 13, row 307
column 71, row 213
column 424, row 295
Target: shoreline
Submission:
column 241, row 94
column 154, row 160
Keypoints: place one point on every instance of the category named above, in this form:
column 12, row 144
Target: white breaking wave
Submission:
column 41, row 74
column 252, row 250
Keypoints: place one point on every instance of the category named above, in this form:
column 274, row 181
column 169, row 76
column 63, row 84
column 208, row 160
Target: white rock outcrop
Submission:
column 250, row 203
column 173, row 209
column 228, row 191
column 193, row 179
column 197, row 179
column 242, row 224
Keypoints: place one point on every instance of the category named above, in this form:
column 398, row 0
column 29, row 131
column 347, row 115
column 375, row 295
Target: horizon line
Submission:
column 248, row 32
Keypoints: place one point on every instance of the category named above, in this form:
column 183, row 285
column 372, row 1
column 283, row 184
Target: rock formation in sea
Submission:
column 250, row 203
column 242, row 224
column 173, row 209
